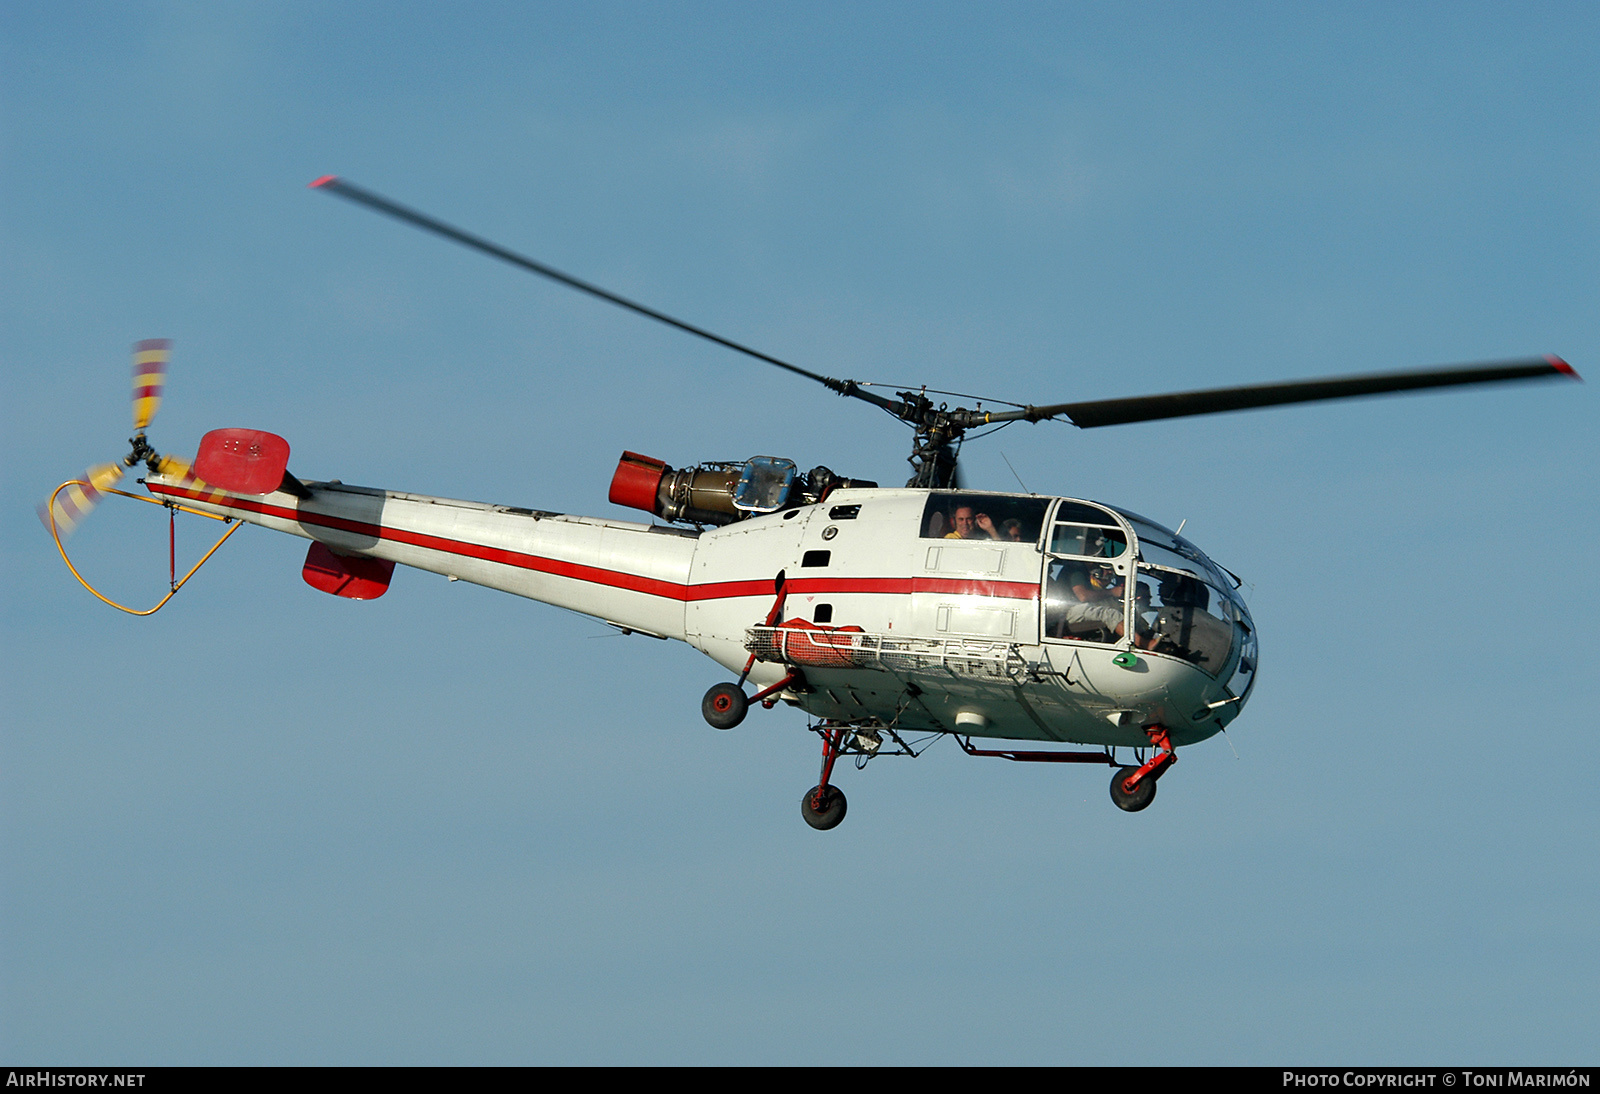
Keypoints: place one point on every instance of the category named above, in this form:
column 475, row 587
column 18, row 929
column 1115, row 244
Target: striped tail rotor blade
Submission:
column 149, row 378
column 77, row 500
column 103, row 476
column 179, row 469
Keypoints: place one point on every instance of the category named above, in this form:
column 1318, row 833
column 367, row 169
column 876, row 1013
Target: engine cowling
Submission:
column 702, row 494
column 718, row 493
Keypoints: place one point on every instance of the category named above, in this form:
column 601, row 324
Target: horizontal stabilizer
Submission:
column 353, row 576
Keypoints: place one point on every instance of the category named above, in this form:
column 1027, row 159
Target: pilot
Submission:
column 1093, row 596
column 1085, row 602
column 968, row 523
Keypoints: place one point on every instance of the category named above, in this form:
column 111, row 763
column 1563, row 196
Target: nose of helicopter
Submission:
column 1221, row 698
column 1201, row 658
column 1193, row 704
column 1192, row 616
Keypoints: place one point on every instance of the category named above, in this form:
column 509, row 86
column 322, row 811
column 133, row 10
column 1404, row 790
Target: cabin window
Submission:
column 844, row 512
column 1007, row 518
column 815, row 558
column 823, row 614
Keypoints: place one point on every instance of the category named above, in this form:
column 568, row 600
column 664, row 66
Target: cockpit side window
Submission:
column 1087, row 541
column 1086, row 580
column 1086, row 531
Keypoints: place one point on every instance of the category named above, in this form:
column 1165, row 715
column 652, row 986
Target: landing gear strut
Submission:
column 725, row 704
column 1133, row 788
column 823, row 805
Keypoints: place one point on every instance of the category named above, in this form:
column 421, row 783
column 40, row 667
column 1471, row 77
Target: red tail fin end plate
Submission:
column 242, row 461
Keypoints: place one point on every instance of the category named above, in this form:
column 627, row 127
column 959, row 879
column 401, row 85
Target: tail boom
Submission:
column 635, row 576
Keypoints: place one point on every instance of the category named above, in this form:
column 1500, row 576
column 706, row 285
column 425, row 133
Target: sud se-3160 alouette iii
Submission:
column 890, row 616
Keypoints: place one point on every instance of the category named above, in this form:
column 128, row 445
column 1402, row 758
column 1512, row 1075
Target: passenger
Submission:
column 1011, row 530
column 970, row 524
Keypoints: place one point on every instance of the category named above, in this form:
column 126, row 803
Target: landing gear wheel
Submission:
column 831, row 811
column 1142, row 795
column 724, row 706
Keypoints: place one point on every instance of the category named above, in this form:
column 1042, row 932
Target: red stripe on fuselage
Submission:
column 902, row 586
column 716, row 590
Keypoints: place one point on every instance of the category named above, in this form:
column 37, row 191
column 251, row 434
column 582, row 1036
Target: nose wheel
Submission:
column 1131, row 800
column 1133, row 788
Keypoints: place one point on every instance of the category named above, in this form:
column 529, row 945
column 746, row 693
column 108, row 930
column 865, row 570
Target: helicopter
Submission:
column 891, row 616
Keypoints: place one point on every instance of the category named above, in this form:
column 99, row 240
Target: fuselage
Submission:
column 991, row 615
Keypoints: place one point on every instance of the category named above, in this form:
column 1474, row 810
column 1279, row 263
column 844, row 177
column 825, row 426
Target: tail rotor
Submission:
column 74, row 500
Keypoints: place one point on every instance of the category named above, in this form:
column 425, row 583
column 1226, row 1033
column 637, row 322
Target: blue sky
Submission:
column 266, row 825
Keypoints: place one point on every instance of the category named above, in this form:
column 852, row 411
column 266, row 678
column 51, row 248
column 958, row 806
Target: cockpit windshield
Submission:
column 1190, row 619
column 1192, row 605
column 1185, row 554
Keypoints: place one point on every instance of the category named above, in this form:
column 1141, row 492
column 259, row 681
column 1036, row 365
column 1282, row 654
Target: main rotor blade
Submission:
column 335, row 185
column 1148, row 408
